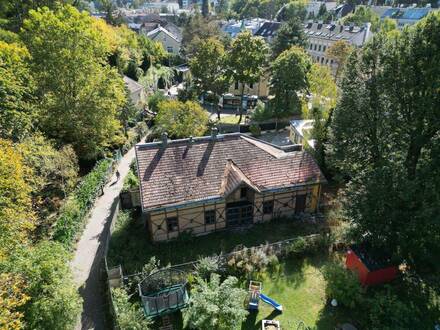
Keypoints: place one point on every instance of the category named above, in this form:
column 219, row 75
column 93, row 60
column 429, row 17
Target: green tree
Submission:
column 55, row 302
column 128, row 315
column 15, row 12
column 198, row 29
column 79, row 93
column 216, row 305
column 12, row 298
column 289, row 34
column 246, row 61
column 338, row 52
column 363, row 15
column 181, row 120
column 53, row 170
column 322, row 88
column 207, row 67
column 289, row 78
column 17, row 219
column 295, row 10
column 16, row 88
column 384, row 136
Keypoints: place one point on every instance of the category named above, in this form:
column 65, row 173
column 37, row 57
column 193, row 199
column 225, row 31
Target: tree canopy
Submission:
column 385, row 137
column 289, row 78
column 79, row 92
column 246, row 60
column 16, row 89
column 289, row 34
column 181, row 119
column 338, row 52
column 208, row 67
column 216, row 305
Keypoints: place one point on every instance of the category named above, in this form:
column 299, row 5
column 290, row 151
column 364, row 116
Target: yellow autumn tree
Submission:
column 16, row 215
column 12, row 297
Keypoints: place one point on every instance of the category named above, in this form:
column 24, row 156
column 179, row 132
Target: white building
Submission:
column 170, row 41
column 234, row 27
column 300, row 131
column 322, row 36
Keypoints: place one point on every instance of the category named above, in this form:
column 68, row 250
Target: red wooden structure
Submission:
column 370, row 270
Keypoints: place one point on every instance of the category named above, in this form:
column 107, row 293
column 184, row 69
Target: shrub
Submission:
column 250, row 262
column 261, row 113
column 128, row 315
column 216, row 305
column 154, row 100
column 255, row 129
column 131, row 181
column 343, row 285
column 388, row 311
column 206, row 266
column 73, row 213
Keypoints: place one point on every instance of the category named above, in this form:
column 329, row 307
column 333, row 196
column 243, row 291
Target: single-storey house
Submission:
column 136, row 93
column 204, row 184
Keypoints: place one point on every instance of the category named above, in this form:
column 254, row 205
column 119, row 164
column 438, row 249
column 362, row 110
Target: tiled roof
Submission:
column 208, row 168
column 132, row 85
column 154, row 33
column 334, row 31
column 268, row 29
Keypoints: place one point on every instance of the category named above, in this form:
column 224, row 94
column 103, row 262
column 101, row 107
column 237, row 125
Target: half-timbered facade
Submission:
column 200, row 185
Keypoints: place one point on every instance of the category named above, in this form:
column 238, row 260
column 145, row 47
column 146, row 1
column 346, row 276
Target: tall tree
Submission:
column 338, row 52
column 181, row 120
column 322, row 88
column 16, row 88
column 79, row 93
column 197, row 29
column 385, row 136
column 289, row 78
column 289, row 34
column 208, row 67
column 17, row 219
column 246, row 61
column 361, row 16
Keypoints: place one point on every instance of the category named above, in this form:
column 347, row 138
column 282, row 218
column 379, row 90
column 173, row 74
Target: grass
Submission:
column 232, row 119
column 130, row 245
column 300, row 288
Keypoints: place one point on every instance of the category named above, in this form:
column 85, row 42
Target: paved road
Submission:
column 86, row 265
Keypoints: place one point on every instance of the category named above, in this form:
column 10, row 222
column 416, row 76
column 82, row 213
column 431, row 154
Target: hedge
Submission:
column 72, row 216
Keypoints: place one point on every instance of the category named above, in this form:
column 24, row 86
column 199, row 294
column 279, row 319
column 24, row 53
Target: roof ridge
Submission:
column 229, row 168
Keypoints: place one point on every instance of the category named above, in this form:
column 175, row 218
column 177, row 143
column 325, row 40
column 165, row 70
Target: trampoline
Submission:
column 163, row 292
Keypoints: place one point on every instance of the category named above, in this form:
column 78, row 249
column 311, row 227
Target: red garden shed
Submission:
column 370, row 269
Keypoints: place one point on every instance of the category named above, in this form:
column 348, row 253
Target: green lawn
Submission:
column 300, row 288
column 232, row 119
column 131, row 248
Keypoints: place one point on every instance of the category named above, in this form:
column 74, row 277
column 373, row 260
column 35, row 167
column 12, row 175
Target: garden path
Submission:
column 87, row 262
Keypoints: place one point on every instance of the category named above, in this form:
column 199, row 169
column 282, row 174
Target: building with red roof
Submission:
column 204, row 184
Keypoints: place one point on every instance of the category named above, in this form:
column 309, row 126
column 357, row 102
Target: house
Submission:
column 406, row 16
column 268, row 30
column 200, row 185
column 322, row 36
column 136, row 92
column 300, row 132
column 170, row 41
column 233, row 27
column 313, row 7
column 259, row 89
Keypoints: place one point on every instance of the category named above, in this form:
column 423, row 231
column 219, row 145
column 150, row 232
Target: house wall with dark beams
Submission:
column 197, row 218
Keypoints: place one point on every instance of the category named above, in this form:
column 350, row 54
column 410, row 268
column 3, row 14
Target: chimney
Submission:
column 190, row 141
column 164, row 139
column 214, row 132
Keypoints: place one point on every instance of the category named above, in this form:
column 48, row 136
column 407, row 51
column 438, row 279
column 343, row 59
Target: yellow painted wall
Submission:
column 193, row 218
column 261, row 88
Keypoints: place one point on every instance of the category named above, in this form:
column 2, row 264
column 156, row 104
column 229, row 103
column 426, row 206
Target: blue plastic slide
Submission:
column 271, row 302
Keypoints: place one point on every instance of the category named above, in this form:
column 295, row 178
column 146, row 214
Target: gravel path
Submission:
column 86, row 265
